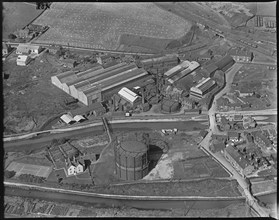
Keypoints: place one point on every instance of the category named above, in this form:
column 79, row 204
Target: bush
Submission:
column 11, row 36
column 9, row 174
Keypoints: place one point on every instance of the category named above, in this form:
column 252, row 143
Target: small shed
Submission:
column 79, row 118
column 23, row 60
column 68, row 119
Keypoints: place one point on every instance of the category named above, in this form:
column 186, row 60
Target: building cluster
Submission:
column 68, row 157
column 26, row 52
column 241, row 54
column 31, row 31
column 248, row 152
column 235, row 122
column 238, row 104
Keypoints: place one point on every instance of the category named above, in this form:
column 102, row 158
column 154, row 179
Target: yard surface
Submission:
column 16, row 15
column 99, row 25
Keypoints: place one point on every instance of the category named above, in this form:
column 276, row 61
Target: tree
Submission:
column 9, row 174
column 12, row 36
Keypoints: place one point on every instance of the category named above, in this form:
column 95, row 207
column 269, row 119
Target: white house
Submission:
column 28, row 48
column 75, row 167
column 23, row 60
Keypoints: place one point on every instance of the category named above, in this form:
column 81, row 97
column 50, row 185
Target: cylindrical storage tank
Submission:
column 170, row 106
column 131, row 160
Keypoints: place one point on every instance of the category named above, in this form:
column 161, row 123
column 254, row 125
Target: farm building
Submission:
column 197, row 92
column 186, row 68
column 95, row 109
column 6, row 48
column 241, row 54
column 131, row 160
column 225, row 63
column 23, row 60
column 74, row 167
column 240, row 163
column 71, row 63
column 129, row 96
column 28, row 48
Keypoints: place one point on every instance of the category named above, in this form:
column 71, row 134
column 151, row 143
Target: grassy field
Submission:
column 207, row 188
column 17, row 15
column 99, row 25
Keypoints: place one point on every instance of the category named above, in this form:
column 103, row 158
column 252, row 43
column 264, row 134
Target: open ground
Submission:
column 99, row 25
column 16, row 15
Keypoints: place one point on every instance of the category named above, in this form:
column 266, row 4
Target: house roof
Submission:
column 240, row 52
column 210, row 68
column 22, row 58
column 67, row 118
column 28, row 47
column 241, row 161
column 79, row 118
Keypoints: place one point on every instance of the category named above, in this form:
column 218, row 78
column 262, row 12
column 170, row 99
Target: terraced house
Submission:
column 240, row 163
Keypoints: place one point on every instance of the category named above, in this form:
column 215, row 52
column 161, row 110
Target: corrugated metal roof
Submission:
column 222, row 63
column 127, row 94
column 67, row 118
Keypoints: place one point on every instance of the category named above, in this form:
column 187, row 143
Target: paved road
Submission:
column 249, row 112
column 213, row 129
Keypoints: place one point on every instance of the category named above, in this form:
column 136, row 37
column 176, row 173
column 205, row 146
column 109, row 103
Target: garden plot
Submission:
column 100, row 25
column 21, row 168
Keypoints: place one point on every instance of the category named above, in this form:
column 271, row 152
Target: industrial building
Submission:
column 99, row 85
column 225, row 63
column 129, row 96
column 206, row 85
column 181, row 70
column 131, row 160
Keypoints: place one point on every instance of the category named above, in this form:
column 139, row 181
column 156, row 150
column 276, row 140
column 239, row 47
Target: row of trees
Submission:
column 31, row 178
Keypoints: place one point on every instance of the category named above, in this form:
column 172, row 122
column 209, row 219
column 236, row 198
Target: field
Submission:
column 21, row 168
column 17, row 15
column 100, row 25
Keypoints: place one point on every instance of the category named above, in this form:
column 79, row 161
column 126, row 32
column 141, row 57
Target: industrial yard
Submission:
column 111, row 109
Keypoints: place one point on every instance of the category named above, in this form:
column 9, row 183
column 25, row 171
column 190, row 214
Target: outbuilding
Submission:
column 68, row 119
column 23, row 60
column 28, row 48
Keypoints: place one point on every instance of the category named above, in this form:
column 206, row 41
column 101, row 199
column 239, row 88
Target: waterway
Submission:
column 37, row 143
column 108, row 203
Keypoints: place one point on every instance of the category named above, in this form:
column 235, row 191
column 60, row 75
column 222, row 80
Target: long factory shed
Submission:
column 95, row 84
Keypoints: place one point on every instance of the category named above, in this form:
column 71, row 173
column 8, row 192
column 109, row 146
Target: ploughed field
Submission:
column 100, row 25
